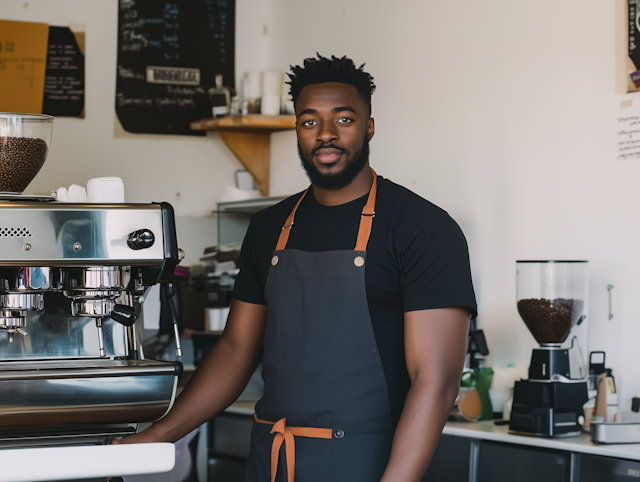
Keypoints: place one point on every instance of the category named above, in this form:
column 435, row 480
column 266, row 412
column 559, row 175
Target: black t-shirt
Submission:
column 417, row 259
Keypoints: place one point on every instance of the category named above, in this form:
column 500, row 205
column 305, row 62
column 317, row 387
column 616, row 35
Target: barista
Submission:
column 360, row 315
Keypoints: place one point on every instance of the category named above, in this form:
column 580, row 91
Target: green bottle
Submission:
column 481, row 379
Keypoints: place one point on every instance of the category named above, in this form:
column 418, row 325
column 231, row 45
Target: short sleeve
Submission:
column 249, row 287
column 435, row 270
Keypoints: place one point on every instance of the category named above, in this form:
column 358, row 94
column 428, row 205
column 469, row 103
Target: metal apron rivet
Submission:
column 339, row 434
column 359, row 261
column 274, row 260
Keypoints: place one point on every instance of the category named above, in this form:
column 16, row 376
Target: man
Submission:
column 355, row 295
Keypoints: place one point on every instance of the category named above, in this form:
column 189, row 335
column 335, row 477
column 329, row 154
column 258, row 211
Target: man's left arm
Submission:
column 435, row 347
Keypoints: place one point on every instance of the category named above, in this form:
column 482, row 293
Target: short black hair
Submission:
column 323, row 69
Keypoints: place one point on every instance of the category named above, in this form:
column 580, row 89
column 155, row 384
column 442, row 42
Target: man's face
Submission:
column 334, row 128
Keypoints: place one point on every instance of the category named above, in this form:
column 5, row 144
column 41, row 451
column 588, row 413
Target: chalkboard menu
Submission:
column 64, row 75
column 168, row 56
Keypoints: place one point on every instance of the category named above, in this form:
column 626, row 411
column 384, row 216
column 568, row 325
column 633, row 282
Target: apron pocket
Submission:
column 361, row 459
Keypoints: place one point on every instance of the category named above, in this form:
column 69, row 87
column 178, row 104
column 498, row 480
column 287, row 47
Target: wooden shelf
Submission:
column 247, row 206
column 249, row 138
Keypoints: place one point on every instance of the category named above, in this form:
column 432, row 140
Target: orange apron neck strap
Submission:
column 366, row 220
column 368, row 213
column 286, row 229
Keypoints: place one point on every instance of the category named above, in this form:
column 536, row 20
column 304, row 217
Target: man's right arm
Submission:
column 220, row 378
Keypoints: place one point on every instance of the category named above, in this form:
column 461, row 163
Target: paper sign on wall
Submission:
column 23, row 55
column 628, row 137
column 64, row 88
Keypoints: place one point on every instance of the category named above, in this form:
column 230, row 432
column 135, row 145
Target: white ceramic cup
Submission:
column 272, row 83
column 270, row 104
column 252, row 85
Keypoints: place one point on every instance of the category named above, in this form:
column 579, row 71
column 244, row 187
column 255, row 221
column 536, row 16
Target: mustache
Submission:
column 331, row 146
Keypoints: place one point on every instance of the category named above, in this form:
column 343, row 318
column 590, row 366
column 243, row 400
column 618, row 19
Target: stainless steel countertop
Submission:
column 581, row 444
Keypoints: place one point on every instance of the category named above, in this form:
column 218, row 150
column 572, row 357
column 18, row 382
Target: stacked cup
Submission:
column 271, row 89
column 251, row 88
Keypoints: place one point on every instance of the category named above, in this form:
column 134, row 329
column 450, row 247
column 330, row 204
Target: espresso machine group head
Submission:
column 552, row 301
column 22, row 291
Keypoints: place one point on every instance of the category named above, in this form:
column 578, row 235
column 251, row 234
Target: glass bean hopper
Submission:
column 552, row 298
column 24, row 145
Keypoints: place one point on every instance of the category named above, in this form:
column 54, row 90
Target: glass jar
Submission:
column 24, row 145
column 552, row 298
column 220, row 98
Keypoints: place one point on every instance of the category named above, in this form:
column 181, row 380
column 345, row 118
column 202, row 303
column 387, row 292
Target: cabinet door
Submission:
column 592, row 468
column 508, row 463
column 450, row 462
column 230, row 435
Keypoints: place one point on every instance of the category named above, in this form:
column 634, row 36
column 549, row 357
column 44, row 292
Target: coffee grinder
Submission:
column 552, row 299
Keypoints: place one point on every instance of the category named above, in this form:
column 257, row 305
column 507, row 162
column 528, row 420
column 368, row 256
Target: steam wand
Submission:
column 103, row 352
column 169, row 293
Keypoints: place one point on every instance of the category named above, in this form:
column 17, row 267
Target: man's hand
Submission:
column 145, row 437
column 435, row 347
column 219, row 379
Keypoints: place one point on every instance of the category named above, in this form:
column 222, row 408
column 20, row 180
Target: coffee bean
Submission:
column 550, row 321
column 20, row 160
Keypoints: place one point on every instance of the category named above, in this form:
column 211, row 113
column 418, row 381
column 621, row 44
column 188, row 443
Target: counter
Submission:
column 84, row 462
column 581, row 444
column 243, row 406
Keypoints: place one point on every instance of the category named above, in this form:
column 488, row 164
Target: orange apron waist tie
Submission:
column 285, row 434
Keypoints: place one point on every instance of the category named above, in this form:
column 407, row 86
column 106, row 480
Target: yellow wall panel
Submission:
column 23, row 59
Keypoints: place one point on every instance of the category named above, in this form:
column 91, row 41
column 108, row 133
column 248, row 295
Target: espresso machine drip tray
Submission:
column 85, row 392
column 47, row 437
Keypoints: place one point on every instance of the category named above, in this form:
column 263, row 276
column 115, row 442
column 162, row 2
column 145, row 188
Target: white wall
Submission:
column 501, row 112
column 504, row 114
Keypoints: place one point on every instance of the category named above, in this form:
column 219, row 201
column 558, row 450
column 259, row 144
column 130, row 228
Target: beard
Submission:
column 332, row 182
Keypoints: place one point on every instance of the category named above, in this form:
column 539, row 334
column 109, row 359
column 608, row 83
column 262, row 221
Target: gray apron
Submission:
column 325, row 413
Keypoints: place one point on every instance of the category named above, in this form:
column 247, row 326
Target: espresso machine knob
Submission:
column 141, row 239
column 123, row 314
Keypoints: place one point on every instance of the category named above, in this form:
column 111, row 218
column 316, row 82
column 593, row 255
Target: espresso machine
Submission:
column 72, row 276
column 552, row 301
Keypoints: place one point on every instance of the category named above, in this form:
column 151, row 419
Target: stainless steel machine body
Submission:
column 67, row 235
column 73, row 392
column 70, row 278
column 626, row 431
